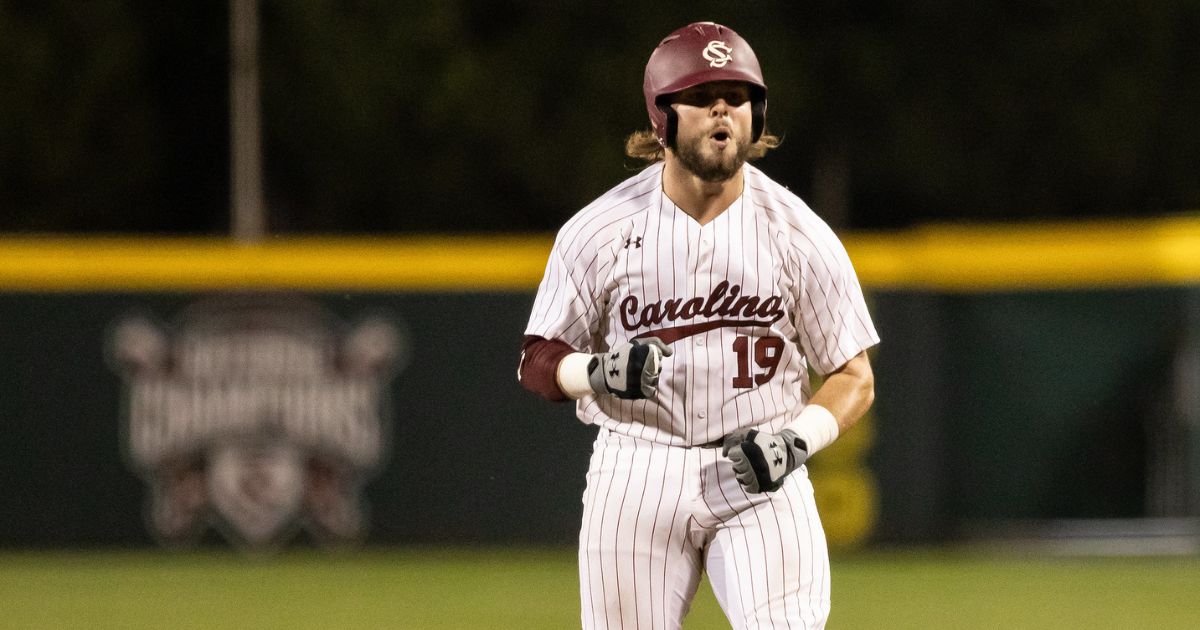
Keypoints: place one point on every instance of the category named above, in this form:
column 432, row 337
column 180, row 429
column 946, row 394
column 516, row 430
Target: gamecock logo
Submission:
column 717, row 54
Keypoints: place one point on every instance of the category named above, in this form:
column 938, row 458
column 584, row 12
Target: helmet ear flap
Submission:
column 672, row 126
column 760, row 120
column 758, row 98
column 666, row 135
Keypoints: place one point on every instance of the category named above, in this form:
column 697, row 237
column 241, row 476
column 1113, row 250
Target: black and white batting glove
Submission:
column 630, row 370
column 762, row 460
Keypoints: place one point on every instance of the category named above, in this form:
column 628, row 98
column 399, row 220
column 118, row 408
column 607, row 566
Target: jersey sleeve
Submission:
column 565, row 308
column 834, row 322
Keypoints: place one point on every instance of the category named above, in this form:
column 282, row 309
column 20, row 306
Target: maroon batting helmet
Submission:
column 695, row 54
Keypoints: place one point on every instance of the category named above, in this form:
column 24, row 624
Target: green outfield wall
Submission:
column 1002, row 393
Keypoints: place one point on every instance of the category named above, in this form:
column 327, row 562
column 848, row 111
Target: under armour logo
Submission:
column 636, row 242
column 614, row 372
column 717, row 53
column 778, row 456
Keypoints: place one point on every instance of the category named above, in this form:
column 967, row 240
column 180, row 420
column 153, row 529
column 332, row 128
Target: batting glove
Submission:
column 630, row 371
column 763, row 461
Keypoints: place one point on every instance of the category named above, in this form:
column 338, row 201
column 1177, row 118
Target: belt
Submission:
column 717, row 443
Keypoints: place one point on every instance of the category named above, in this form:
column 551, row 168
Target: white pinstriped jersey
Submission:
column 746, row 302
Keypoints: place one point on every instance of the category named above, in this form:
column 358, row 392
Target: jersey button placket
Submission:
column 697, row 253
column 699, row 393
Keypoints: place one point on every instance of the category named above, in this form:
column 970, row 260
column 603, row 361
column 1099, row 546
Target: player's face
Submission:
column 712, row 140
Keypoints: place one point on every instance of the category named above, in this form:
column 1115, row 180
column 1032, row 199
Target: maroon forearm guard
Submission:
column 539, row 366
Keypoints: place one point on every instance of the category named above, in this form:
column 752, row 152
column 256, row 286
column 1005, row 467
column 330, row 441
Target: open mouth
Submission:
column 721, row 139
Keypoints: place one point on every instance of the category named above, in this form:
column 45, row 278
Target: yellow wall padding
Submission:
column 955, row 258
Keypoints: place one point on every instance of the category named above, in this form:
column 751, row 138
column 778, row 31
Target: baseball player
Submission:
column 682, row 310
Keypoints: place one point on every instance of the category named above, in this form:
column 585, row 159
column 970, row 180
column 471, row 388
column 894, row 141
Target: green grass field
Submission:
column 432, row 589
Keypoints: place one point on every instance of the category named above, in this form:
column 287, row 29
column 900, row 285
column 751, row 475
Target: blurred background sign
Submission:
column 259, row 414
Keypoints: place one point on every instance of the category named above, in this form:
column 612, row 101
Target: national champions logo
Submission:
column 717, row 53
column 259, row 415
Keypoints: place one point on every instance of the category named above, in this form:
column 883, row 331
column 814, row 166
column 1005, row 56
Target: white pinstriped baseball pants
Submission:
column 655, row 516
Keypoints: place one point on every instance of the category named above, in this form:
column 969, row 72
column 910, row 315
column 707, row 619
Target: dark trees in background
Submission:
column 501, row 115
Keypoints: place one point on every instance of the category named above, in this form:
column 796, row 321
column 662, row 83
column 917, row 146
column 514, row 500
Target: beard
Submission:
column 719, row 168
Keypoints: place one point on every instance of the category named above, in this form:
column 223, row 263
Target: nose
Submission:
column 719, row 108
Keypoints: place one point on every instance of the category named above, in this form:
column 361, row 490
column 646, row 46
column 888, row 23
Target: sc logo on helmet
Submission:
column 717, row 54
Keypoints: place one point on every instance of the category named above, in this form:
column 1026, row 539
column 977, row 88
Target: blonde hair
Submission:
column 643, row 145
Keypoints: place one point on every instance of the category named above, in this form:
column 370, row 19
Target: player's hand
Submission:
column 630, row 370
column 762, row 460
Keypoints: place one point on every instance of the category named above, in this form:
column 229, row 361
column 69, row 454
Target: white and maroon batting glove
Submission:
column 630, row 370
column 763, row 460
